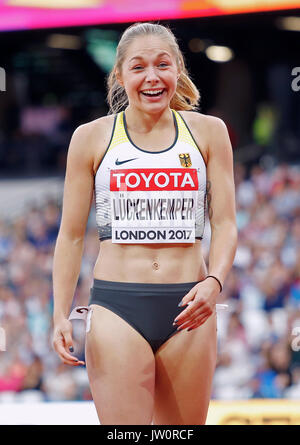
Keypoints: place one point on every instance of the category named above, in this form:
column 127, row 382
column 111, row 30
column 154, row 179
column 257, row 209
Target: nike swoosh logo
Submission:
column 123, row 162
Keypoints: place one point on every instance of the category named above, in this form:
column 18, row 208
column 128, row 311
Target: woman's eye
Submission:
column 138, row 67
column 163, row 65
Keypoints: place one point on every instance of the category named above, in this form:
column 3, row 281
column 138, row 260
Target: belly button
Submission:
column 155, row 265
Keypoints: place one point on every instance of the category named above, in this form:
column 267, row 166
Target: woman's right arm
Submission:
column 77, row 200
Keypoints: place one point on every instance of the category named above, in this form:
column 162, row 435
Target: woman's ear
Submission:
column 119, row 78
column 179, row 69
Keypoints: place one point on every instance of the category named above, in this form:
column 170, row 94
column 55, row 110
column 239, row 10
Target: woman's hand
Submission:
column 63, row 343
column 201, row 301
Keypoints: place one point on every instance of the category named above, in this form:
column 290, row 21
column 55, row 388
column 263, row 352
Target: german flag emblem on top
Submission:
column 185, row 160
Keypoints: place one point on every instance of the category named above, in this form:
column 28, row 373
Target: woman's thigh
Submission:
column 185, row 366
column 121, row 369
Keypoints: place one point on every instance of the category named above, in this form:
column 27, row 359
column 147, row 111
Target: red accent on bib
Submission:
column 143, row 179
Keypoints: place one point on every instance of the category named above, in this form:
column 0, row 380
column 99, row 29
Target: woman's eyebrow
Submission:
column 163, row 53
column 135, row 57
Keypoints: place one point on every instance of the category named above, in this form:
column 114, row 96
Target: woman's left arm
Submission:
column 220, row 201
column 220, row 192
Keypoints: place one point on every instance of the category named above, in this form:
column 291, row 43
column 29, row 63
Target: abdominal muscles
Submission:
column 144, row 263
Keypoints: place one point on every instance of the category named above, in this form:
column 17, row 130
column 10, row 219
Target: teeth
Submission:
column 152, row 92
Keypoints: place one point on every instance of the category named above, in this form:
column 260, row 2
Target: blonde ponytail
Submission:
column 116, row 97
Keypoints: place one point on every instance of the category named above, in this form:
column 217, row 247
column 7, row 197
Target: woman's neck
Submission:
column 142, row 122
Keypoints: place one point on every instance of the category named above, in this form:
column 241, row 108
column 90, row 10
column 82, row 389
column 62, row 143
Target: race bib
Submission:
column 154, row 205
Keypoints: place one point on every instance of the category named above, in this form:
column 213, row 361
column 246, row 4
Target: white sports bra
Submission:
column 151, row 197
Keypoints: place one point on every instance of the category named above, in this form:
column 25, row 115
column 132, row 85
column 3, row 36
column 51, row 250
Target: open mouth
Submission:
column 153, row 93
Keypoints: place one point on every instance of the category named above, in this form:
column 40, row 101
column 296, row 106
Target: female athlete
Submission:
column 153, row 164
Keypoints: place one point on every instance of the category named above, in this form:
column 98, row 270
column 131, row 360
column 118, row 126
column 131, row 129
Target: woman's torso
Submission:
column 157, row 262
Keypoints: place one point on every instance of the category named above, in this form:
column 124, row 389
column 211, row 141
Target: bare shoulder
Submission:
column 193, row 117
column 209, row 131
column 198, row 125
column 202, row 121
column 91, row 131
column 101, row 124
column 92, row 138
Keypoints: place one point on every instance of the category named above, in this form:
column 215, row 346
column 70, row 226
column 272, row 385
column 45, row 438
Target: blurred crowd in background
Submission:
column 50, row 91
column 258, row 348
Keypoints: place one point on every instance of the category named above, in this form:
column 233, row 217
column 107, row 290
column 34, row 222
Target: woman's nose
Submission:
column 151, row 75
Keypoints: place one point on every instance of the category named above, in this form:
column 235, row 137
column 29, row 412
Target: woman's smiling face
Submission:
column 149, row 74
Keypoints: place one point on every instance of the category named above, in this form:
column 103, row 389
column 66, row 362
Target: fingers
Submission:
column 63, row 343
column 189, row 296
column 67, row 337
column 198, row 323
column 194, row 313
column 64, row 355
column 191, row 310
column 195, row 323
